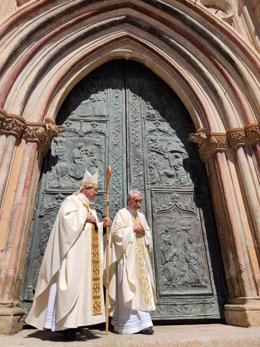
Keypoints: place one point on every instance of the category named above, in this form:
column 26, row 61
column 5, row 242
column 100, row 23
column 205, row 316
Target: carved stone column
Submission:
column 22, row 147
column 231, row 160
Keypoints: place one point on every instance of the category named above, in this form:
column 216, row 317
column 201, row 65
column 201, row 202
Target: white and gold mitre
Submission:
column 90, row 180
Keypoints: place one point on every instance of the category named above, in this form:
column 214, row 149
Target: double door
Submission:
column 124, row 116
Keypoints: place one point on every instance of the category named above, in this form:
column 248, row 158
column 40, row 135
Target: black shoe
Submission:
column 80, row 336
column 148, row 331
column 74, row 335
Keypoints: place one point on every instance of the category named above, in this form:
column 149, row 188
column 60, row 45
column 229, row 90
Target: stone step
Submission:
column 197, row 335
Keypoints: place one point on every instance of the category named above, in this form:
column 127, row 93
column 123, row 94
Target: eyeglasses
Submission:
column 137, row 200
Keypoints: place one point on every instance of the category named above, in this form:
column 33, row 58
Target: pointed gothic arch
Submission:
column 177, row 42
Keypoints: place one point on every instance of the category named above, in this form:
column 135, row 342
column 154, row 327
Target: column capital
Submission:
column 11, row 124
column 211, row 142
column 41, row 133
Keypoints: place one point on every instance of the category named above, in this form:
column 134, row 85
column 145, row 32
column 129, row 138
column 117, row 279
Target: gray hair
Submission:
column 132, row 192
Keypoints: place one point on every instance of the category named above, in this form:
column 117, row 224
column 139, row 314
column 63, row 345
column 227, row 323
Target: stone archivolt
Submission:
column 41, row 133
column 209, row 143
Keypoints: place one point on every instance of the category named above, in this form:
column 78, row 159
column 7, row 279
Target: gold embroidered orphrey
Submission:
column 95, row 270
column 142, row 268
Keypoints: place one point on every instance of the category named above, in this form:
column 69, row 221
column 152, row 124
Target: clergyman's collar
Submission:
column 133, row 212
column 84, row 199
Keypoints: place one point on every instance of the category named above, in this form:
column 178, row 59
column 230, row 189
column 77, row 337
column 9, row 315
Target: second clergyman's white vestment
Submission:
column 69, row 289
column 131, row 288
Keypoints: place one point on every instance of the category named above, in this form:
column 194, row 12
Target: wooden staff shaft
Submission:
column 108, row 175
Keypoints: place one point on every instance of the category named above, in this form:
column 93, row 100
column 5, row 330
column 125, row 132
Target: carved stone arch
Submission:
column 173, row 32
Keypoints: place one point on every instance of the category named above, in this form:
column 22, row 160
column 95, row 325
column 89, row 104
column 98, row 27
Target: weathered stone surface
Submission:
column 242, row 316
column 7, row 7
column 201, row 335
column 11, row 320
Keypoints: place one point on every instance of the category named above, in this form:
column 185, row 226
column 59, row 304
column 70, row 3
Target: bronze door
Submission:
column 124, row 116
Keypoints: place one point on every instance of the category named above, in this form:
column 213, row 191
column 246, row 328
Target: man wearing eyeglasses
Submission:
column 131, row 288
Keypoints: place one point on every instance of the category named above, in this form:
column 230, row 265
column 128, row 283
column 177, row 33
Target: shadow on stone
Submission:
column 56, row 336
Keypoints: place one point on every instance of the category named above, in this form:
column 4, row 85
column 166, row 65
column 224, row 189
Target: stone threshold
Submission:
column 196, row 335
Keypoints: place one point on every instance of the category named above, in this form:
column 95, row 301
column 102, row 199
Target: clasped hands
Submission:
column 139, row 229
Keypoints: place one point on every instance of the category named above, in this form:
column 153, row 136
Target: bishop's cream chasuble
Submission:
column 69, row 289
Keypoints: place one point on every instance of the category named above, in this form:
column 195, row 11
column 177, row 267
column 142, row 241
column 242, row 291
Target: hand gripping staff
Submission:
column 108, row 175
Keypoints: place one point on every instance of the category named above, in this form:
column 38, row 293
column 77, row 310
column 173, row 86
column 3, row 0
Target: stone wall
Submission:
column 7, row 7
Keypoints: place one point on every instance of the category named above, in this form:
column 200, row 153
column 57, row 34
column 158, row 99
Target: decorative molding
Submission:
column 22, row 2
column 41, row 133
column 210, row 143
column 11, row 125
column 236, row 137
column 252, row 133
